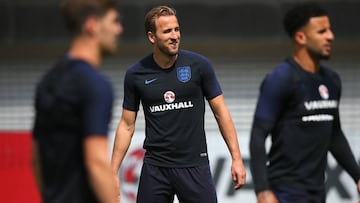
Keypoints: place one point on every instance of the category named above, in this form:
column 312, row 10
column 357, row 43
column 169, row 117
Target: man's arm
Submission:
column 259, row 132
column 124, row 133
column 97, row 163
column 227, row 129
column 36, row 165
column 340, row 149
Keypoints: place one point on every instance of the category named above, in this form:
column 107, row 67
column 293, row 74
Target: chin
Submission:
column 325, row 56
column 319, row 56
column 108, row 52
column 173, row 53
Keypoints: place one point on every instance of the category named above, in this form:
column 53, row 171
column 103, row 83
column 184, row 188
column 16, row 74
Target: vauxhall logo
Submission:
column 321, row 104
column 169, row 97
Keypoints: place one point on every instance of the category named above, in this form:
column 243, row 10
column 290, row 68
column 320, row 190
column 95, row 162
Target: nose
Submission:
column 331, row 35
column 120, row 29
column 175, row 34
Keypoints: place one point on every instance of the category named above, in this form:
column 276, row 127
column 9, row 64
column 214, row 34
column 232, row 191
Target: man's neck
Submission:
column 85, row 49
column 308, row 63
column 164, row 61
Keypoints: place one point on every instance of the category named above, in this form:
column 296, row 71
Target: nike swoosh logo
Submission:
column 150, row 81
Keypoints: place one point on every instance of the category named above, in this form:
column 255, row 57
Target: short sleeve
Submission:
column 131, row 99
column 210, row 83
column 98, row 104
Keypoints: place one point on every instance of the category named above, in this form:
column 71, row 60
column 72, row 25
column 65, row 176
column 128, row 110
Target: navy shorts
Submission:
column 291, row 195
column 191, row 185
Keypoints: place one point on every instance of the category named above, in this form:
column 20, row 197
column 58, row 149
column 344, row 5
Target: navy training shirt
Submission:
column 174, row 107
column 300, row 111
column 73, row 100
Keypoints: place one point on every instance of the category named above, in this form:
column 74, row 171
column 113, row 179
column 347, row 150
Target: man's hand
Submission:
column 266, row 196
column 238, row 174
column 358, row 187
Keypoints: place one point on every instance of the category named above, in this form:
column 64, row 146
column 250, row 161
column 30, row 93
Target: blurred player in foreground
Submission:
column 73, row 109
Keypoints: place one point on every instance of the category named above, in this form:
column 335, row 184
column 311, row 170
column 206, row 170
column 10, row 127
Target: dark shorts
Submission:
column 191, row 185
column 291, row 195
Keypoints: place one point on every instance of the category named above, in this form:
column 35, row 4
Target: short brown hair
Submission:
column 154, row 13
column 75, row 12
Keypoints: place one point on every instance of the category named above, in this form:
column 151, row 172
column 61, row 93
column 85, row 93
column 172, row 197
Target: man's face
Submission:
column 167, row 36
column 108, row 31
column 318, row 37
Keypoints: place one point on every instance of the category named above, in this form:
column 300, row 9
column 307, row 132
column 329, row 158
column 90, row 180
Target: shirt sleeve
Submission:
column 97, row 105
column 210, row 83
column 340, row 149
column 258, row 159
column 273, row 92
column 131, row 99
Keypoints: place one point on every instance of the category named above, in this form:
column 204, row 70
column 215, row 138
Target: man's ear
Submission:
column 151, row 37
column 300, row 37
column 90, row 25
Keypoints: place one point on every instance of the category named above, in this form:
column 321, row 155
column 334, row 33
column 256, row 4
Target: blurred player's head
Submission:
column 76, row 12
column 309, row 26
column 98, row 19
column 300, row 15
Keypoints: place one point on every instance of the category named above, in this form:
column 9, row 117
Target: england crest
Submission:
column 184, row 73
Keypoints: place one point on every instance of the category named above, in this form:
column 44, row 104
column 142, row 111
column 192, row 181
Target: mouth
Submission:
column 327, row 47
column 173, row 44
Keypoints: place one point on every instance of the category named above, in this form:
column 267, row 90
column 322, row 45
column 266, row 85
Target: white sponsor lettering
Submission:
column 319, row 117
column 203, row 154
column 169, row 107
column 323, row 104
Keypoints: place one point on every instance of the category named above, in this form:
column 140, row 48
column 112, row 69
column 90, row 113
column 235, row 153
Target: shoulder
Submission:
column 187, row 57
column 282, row 79
column 90, row 80
column 88, row 72
column 331, row 74
column 329, row 71
column 284, row 72
column 197, row 62
column 192, row 56
column 146, row 61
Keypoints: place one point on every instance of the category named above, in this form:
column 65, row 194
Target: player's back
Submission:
column 60, row 132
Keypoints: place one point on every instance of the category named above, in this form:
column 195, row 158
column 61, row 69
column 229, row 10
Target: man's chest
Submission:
column 177, row 84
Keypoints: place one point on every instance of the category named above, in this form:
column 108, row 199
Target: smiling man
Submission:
column 172, row 86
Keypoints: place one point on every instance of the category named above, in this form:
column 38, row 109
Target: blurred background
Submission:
column 243, row 38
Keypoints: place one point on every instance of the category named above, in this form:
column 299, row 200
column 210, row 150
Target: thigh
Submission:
column 291, row 195
column 194, row 185
column 154, row 185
